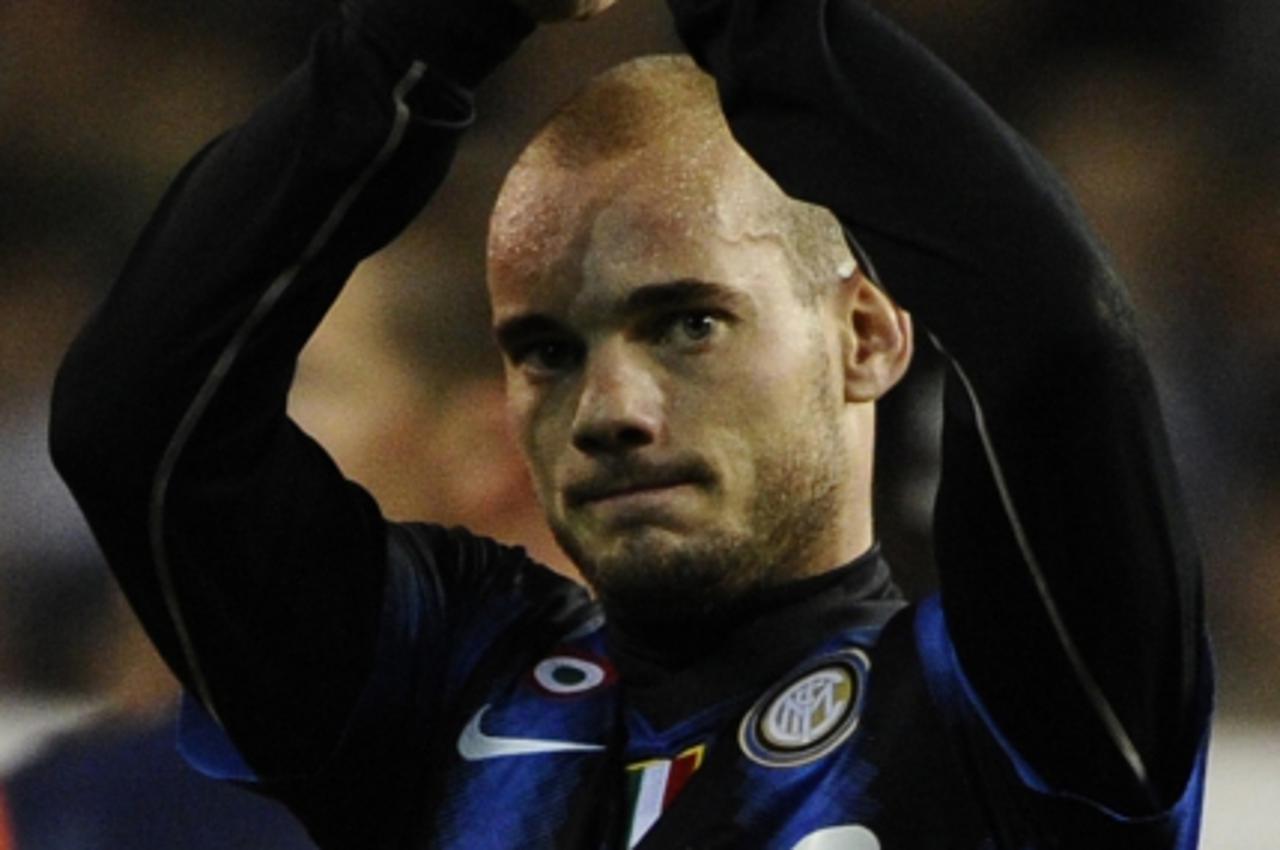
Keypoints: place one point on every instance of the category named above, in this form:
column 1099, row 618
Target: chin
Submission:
column 642, row 551
column 657, row 571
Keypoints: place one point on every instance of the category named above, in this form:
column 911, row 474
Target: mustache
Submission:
column 624, row 476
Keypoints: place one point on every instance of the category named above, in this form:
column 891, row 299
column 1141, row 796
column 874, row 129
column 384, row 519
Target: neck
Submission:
column 677, row 635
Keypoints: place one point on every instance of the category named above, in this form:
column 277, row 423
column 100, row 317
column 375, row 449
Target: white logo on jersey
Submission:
column 840, row 838
column 809, row 715
column 808, row 709
column 566, row 674
column 475, row 745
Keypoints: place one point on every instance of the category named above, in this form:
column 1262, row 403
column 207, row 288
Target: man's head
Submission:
column 692, row 356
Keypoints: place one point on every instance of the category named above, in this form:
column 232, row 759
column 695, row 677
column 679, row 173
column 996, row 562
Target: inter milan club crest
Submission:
column 809, row 714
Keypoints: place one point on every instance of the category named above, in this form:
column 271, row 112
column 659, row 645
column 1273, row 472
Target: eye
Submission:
column 689, row 326
column 697, row 326
column 547, row 357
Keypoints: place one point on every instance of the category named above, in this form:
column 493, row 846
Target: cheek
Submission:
column 536, row 421
column 763, row 380
column 520, row 423
column 759, row 404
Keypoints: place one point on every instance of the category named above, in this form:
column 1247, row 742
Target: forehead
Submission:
column 581, row 239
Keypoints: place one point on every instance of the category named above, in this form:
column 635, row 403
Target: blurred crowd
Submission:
column 1163, row 116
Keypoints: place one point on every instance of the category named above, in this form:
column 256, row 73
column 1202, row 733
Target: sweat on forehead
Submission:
column 652, row 100
column 649, row 130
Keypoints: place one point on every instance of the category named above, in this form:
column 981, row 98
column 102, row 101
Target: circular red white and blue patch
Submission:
column 566, row 675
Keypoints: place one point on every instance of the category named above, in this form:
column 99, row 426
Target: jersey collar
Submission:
column 674, row 675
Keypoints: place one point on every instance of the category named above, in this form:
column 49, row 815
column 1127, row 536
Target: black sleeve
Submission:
column 257, row 569
column 1070, row 577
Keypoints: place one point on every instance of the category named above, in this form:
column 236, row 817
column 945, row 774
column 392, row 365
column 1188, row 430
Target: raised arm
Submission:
column 257, row 569
column 1070, row 577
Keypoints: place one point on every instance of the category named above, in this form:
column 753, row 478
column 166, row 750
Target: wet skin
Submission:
column 684, row 412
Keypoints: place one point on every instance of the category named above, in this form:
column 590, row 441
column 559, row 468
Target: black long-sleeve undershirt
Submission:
column 257, row 523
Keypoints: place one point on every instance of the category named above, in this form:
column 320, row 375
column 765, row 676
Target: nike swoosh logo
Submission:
column 475, row 745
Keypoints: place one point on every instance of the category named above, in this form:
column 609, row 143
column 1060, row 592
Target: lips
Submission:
column 613, row 483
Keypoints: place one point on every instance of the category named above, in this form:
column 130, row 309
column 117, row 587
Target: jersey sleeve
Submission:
column 1069, row 574
column 258, row 570
column 1031, row 810
column 458, row 611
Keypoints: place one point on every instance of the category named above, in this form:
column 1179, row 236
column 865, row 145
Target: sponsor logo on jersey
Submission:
column 567, row 675
column 809, row 714
column 474, row 744
column 653, row 784
column 851, row 837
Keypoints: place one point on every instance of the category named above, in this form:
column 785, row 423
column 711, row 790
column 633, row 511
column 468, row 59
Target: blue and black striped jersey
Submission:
column 411, row 687
column 841, row 718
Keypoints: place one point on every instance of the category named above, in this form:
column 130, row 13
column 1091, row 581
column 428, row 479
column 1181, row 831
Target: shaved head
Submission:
column 653, row 125
column 652, row 100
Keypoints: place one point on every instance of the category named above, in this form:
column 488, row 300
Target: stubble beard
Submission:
column 796, row 501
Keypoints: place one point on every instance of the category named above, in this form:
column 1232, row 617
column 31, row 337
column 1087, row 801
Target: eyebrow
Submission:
column 649, row 298
column 679, row 293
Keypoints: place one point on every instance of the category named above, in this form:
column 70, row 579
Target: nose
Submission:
column 620, row 405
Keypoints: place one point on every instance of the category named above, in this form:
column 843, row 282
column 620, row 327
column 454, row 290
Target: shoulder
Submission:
column 459, row 558
column 474, row 581
column 1016, row 786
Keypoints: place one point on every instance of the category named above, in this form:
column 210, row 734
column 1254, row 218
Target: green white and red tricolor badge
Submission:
column 653, row 784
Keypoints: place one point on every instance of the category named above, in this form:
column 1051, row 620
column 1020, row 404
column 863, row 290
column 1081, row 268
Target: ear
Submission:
column 877, row 339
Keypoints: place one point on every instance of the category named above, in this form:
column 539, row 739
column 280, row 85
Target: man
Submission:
column 693, row 360
column 113, row 779
column 119, row 783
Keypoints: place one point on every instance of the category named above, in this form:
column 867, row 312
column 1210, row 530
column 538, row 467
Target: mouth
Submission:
column 638, row 494
column 634, row 484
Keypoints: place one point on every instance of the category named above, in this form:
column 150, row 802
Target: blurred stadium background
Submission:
column 1164, row 116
